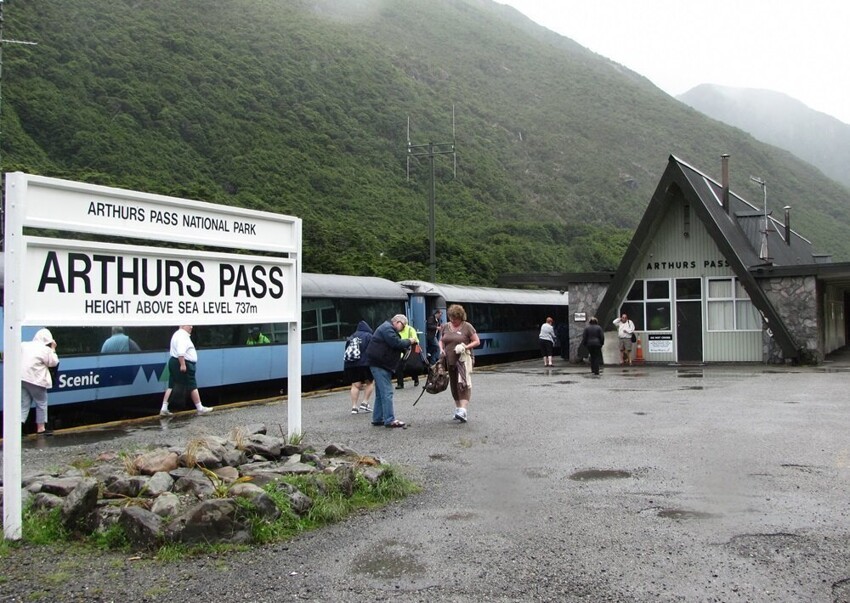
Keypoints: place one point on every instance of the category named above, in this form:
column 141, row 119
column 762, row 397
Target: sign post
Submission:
column 66, row 282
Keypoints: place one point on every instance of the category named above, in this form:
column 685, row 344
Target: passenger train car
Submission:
column 98, row 386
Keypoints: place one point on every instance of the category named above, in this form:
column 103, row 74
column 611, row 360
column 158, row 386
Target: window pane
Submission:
column 748, row 317
column 636, row 292
column 658, row 316
column 635, row 313
column 657, row 289
column 688, row 288
column 740, row 292
column 720, row 288
column 720, row 316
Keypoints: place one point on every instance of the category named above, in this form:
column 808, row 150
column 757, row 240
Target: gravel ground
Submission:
column 712, row 483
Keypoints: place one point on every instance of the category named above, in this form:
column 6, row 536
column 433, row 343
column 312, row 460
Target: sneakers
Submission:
column 164, row 412
column 354, row 411
column 460, row 415
column 203, row 410
column 364, row 407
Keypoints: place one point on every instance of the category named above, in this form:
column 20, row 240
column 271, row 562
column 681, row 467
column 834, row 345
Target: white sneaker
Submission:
column 202, row 410
column 164, row 412
column 364, row 407
column 461, row 415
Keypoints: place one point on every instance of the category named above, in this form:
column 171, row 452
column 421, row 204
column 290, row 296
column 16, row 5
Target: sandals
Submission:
column 398, row 424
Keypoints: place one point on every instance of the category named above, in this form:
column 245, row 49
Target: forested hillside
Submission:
column 301, row 107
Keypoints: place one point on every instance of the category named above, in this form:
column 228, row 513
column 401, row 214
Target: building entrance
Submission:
column 689, row 319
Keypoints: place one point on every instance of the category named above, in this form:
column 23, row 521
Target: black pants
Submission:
column 595, row 358
column 400, row 371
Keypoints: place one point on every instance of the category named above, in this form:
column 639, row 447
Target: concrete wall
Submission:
column 584, row 298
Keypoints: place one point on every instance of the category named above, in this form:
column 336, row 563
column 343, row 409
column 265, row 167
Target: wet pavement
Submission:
column 661, row 483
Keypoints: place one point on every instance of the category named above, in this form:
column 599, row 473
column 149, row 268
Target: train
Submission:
column 92, row 387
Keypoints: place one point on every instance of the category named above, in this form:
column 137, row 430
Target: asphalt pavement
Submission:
column 662, row 483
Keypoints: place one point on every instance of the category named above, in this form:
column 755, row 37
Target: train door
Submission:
column 689, row 319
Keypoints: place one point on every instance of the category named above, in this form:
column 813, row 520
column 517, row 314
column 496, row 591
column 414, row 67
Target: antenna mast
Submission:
column 763, row 252
column 431, row 150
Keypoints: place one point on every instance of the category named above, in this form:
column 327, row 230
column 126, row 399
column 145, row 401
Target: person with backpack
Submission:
column 356, row 370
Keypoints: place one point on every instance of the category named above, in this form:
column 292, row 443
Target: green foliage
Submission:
column 43, row 527
column 113, row 538
column 301, row 108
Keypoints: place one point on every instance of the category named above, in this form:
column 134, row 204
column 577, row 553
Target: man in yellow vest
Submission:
column 408, row 332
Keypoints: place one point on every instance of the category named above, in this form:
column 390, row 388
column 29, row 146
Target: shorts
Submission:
column 357, row 374
column 625, row 344
column 177, row 378
column 546, row 347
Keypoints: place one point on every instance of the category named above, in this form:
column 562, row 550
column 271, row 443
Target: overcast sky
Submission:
column 798, row 47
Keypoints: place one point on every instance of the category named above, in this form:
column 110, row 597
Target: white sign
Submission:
column 70, row 283
column 77, row 207
column 58, row 281
column 580, row 317
column 660, row 344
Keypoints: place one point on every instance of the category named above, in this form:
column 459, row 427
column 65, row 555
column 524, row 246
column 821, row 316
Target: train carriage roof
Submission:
column 350, row 287
column 487, row 295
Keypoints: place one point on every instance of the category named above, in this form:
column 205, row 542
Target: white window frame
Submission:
column 735, row 300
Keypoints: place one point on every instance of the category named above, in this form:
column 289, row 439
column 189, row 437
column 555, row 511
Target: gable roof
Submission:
column 738, row 234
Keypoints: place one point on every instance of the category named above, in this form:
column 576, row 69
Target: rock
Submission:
column 373, row 474
column 209, row 521
column 160, row 483
column 339, row 450
column 142, row 526
column 262, row 501
column 166, row 504
column 61, row 486
column 266, row 446
column 195, row 483
column 129, row 486
column 227, row 474
column 43, row 500
column 79, row 504
column 299, row 502
column 155, row 461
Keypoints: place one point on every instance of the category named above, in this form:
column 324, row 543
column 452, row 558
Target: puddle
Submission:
column 565, row 382
column 464, row 516
column 439, row 457
column 692, row 387
column 390, row 560
column 641, row 413
column 683, row 514
column 599, row 474
column 778, row 547
column 689, row 375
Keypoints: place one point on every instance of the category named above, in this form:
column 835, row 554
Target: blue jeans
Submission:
column 432, row 347
column 382, row 409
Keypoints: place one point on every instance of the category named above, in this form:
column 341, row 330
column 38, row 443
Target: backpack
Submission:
column 437, row 380
column 438, row 377
column 352, row 350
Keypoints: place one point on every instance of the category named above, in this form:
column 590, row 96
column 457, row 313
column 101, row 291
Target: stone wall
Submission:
column 795, row 299
column 584, row 298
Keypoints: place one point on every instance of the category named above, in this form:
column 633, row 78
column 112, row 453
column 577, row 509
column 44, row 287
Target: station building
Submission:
column 710, row 277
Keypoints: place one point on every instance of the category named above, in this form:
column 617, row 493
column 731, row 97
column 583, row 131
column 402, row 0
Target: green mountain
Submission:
column 780, row 120
column 302, row 107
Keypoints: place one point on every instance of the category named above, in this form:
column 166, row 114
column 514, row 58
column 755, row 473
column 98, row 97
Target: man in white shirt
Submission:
column 625, row 328
column 181, row 372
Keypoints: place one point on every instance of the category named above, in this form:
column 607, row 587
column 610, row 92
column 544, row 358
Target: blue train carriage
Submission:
column 130, row 384
column 507, row 320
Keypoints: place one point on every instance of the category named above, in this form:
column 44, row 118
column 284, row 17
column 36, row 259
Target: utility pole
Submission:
column 431, row 150
column 3, row 42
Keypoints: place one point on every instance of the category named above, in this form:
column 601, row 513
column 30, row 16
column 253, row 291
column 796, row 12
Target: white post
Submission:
column 293, row 406
column 12, row 511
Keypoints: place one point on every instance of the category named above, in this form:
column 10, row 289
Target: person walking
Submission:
column 182, row 365
column 457, row 340
column 547, row 340
column 432, row 334
column 625, row 330
column 408, row 332
column 382, row 357
column 119, row 343
column 593, row 339
column 356, row 371
column 37, row 358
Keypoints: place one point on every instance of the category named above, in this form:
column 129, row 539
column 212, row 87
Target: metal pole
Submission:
column 432, row 227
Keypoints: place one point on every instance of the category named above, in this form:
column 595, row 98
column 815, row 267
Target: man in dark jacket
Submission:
column 593, row 339
column 382, row 358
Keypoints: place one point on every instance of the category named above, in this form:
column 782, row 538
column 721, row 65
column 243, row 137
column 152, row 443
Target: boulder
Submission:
column 155, row 461
column 142, row 526
column 79, row 504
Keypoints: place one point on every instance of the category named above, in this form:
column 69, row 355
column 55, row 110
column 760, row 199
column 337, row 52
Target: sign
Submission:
column 67, row 281
column 660, row 343
column 78, row 207
column 70, row 283
column 579, row 317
